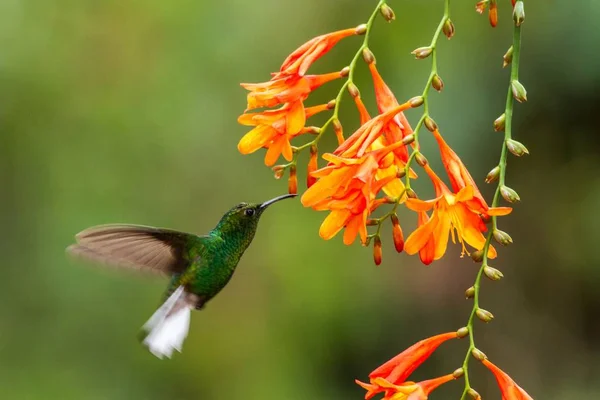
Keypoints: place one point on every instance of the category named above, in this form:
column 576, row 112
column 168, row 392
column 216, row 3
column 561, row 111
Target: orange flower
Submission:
column 275, row 128
column 304, row 56
column 509, row 389
column 452, row 213
column 407, row 390
column 286, row 89
column 399, row 368
column 348, row 188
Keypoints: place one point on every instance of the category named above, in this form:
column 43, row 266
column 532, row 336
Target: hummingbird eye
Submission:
column 249, row 212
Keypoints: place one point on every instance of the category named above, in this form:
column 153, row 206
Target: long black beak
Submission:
column 276, row 199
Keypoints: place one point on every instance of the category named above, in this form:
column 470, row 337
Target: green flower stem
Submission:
column 514, row 75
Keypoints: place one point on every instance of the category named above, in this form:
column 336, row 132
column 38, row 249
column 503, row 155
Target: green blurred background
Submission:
column 125, row 111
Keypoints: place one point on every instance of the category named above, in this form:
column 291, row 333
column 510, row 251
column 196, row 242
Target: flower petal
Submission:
column 295, row 118
column 333, row 223
column 256, row 138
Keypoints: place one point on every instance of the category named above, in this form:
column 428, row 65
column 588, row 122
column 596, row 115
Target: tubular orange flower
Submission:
column 452, row 212
column 286, row 89
column 408, row 390
column 275, row 128
column 399, row 368
column 509, row 389
column 304, row 56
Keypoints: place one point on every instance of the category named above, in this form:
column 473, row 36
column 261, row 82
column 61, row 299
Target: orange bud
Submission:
column 493, row 13
column 331, row 104
column 397, row 233
column 377, row 250
column 293, row 181
column 312, row 166
column 339, row 132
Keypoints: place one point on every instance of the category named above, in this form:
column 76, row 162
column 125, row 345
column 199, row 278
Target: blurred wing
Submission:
column 134, row 246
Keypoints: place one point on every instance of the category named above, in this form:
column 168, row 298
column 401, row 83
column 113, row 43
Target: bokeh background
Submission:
column 125, row 111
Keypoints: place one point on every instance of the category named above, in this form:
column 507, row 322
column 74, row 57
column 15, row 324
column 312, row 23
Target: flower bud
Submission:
column 478, row 354
column 411, row 193
column 387, row 13
column 372, row 222
column 368, row 56
column 416, row 101
column 470, row 292
column 493, row 175
column 518, row 13
column 345, row 72
column 507, row 57
column 500, row 122
column 448, row 28
column 353, row 90
column 484, row 315
column 312, row 166
column 493, row 273
column 462, row 332
column 408, row 139
column 430, row 124
column 480, row 6
column 509, row 194
column 361, row 29
column 502, row 237
column 437, row 83
column 473, row 393
column 293, row 181
column 458, row 373
column 422, row 52
column 400, row 173
column 377, row 250
column 420, row 159
column 339, row 132
column 493, row 13
column 331, row 104
column 397, row 234
column 278, row 171
column 518, row 91
column 517, row 148
column 314, row 130
column 477, row 256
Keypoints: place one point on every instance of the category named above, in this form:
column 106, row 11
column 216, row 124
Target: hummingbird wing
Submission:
column 136, row 247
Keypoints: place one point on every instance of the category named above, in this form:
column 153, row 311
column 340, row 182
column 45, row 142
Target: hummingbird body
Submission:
column 199, row 266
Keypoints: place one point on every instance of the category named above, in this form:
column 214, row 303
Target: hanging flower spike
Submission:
column 509, row 389
column 275, row 128
column 408, row 390
column 304, row 56
column 286, row 89
column 399, row 368
column 452, row 213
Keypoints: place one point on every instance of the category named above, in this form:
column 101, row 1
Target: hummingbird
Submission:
column 199, row 267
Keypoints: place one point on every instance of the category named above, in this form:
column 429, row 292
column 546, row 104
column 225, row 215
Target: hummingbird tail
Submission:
column 168, row 327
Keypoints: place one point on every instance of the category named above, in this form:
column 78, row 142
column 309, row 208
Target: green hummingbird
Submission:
column 199, row 266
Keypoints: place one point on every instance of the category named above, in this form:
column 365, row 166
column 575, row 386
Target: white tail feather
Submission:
column 168, row 326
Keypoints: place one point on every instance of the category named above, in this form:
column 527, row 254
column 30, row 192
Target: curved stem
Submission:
column 514, row 75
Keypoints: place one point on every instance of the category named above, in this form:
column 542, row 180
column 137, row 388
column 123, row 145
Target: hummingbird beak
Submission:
column 276, row 199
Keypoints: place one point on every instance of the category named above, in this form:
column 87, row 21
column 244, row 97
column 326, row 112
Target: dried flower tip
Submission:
column 397, row 234
column 493, row 175
column 509, row 194
column 484, row 315
column 367, row 241
column 518, row 91
column 502, row 237
column 315, row 130
column 473, row 393
column 458, row 373
column 500, row 122
column 314, row 150
column 338, row 130
column 408, row 139
column 437, row 83
column 368, row 56
column 361, row 29
column 331, row 104
column 507, row 57
column 519, row 13
column 430, row 124
column 478, row 354
column 400, row 173
column 448, row 28
column 411, row 193
column 420, row 159
column 462, row 332
column 481, row 6
column 493, row 273
column 390, row 200
column 517, row 148
column 377, row 250
column 278, row 171
column 372, row 222
column 387, row 13
column 345, row 72
column 353, row 90
column 477, row 255
column 422, row 52
column 493, row 13
column 416, row 101
column 293, row 181
column 470, row 292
